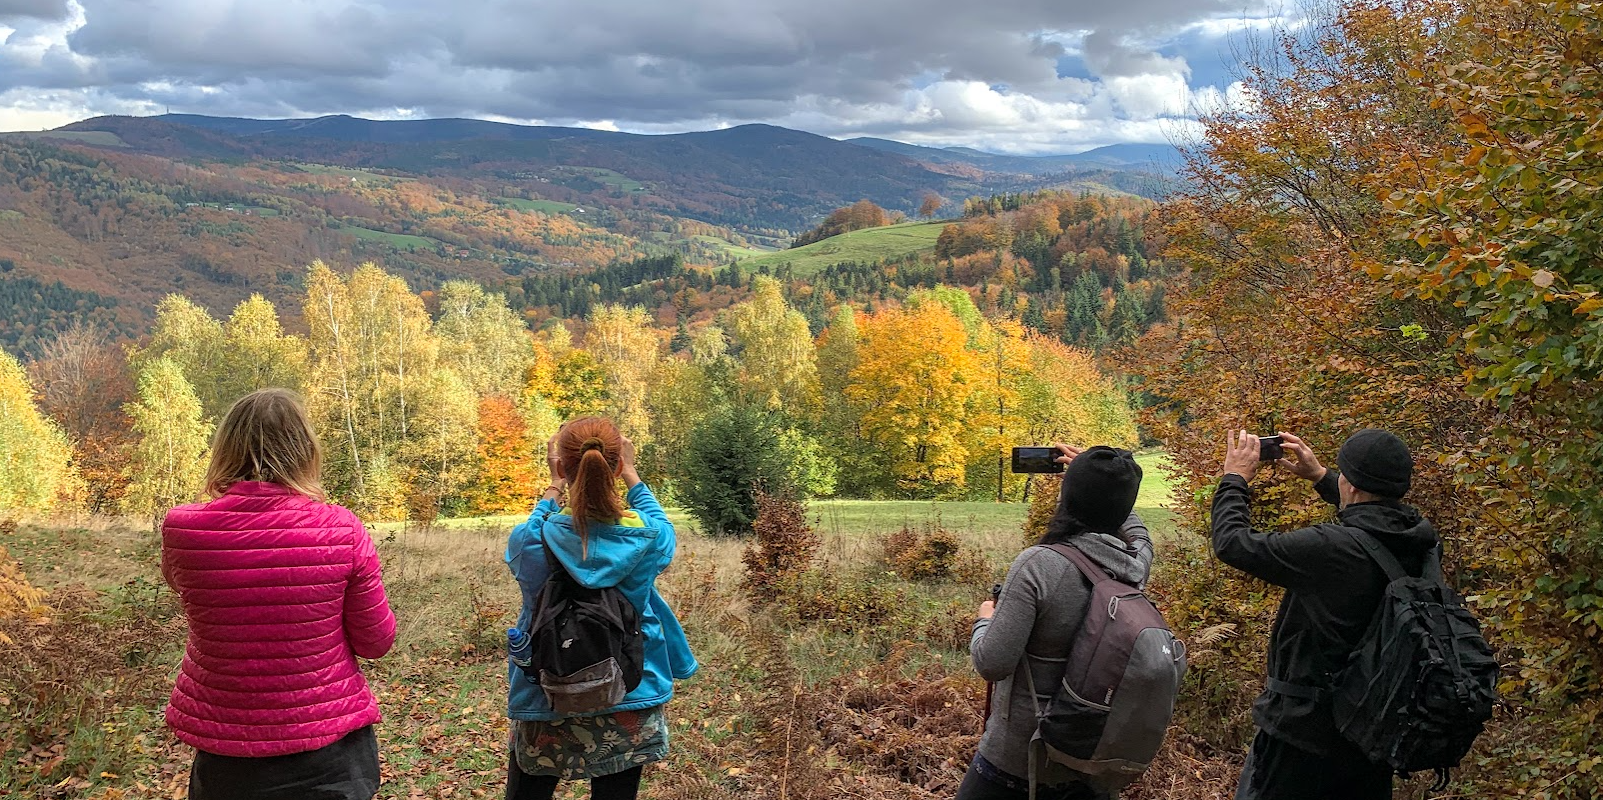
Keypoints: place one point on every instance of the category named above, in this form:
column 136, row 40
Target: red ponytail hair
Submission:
column 591, row 449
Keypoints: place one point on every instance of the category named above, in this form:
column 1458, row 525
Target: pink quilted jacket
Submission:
column 282, row 593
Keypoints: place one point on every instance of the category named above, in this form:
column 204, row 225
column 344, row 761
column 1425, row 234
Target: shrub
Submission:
column 733, row 455
column 18, row 598
column 784, row 545
column 1043, row 504
column 80, row 690
column 898, row 544
column 918, row 730
column 972, row 569
column 822, row 595
column 934, row 553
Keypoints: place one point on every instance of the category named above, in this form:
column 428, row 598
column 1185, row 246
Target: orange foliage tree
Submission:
column 855, row 217
column 509, row 482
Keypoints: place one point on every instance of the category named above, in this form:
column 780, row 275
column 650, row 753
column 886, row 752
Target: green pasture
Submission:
column 730, row 248
column 399, row 241
column 611, row 178
column 260, row 211
column 542, row 206
column 360, row 175
column 983, row 522
column 864, row 246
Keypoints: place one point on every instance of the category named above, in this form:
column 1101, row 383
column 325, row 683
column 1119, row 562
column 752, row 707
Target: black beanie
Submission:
column 1099, row 488
column 1377, row 462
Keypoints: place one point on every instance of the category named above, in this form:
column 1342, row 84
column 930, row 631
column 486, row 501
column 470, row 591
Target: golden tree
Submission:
column 36, row 471
column 169, row 460
column 911, row 389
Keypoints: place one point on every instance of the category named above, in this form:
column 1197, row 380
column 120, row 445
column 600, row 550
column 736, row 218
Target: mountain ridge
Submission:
column 1155, row 158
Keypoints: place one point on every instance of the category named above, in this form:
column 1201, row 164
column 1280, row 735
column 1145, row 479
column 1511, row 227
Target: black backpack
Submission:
column 1422, row 682
column 587, row 651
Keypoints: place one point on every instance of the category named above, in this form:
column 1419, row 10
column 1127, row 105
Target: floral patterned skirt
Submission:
column 578, row 748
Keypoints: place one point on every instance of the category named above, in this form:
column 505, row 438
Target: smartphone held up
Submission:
column 1036, row 460
column 1271, row 448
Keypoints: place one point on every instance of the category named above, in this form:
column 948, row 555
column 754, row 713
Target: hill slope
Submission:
column 866, row 246
column 1157, row 159
column 755, row 176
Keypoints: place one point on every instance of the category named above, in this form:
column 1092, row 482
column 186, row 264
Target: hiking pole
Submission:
column 996, row 595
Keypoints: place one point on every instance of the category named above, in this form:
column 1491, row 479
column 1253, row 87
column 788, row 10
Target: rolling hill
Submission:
column 101, row 218
column 866, row 246
column 751, row 176
column 1156, row 159
column 756, row 176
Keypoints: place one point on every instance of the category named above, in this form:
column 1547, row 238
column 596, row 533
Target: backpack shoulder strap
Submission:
column 552, row 564
column 1092, row 571
column 1382, row 556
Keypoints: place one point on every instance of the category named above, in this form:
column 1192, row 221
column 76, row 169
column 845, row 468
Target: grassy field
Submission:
column 542, row 206
column 856, row 686
column 399, row 241
column 731, row 248
column 97, row 138
column 866, row 519
column 864, row 246
column 260, row 211
column 609, row 178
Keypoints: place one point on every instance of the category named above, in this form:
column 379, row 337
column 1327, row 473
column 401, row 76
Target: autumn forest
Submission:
column 823, row 358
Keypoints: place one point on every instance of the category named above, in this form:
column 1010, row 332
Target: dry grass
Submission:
column 782, row 709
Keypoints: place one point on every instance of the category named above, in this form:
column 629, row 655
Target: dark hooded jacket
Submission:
column 1332, row 590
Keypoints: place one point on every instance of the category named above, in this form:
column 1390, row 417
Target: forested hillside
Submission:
column 100, row 220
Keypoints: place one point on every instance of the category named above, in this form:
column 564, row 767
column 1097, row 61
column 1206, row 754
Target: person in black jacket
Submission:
column 1332, row 590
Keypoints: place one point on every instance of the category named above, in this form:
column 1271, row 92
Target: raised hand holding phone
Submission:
column 1305, row 465
column 1242, row 451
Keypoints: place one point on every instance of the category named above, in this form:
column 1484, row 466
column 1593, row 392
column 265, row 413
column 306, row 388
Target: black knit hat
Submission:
column 1099, row 488
column 1377, row 462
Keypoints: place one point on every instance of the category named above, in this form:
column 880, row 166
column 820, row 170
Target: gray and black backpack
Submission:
column 1108, row 717
column 587, row 649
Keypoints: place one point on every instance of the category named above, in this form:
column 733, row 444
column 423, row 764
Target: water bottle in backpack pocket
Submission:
column 1107, row 718
column 584, row 646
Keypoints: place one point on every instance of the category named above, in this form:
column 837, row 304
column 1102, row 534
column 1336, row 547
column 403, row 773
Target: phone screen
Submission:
column 1036, row 460
column 1271, row 448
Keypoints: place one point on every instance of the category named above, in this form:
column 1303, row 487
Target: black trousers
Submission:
column 1276, row 770
column 523, row 786
column 344, row 770
column 978, row 787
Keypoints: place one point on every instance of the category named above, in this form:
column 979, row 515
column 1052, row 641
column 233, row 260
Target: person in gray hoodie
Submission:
column 1033, row 624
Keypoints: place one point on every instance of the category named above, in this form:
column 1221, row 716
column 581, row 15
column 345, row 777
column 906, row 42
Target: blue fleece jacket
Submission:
column 629, row 554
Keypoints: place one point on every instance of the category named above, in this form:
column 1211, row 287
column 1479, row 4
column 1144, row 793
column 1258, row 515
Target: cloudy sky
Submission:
column 1024, row 76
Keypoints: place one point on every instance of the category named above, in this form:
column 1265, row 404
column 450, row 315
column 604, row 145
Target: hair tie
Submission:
column 593, row 443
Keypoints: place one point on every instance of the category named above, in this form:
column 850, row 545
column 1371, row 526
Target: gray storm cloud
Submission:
column 40, row 9
column 921, row 69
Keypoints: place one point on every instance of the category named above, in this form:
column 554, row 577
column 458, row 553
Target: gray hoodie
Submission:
column 1040, row 611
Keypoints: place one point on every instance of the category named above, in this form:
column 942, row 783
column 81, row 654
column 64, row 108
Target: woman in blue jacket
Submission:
column 600, row 539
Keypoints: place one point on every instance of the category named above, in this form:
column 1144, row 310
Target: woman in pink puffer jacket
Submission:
column 282, row 592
